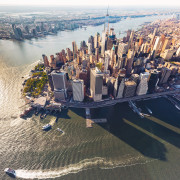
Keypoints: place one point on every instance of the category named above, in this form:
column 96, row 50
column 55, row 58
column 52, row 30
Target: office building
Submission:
column 154, row 76
column 45, row 59
column 96, row 83
column 103, row 43
column 78, row 89
column 121, row 89
column 59, row 80
column 165, row 73
column 129, row 89
column 142, row 86
column 52, row 62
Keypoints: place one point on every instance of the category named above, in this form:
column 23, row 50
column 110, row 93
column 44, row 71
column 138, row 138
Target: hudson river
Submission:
column 127, row 147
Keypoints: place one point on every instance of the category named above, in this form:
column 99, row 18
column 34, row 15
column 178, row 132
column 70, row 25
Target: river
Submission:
column 127, row 147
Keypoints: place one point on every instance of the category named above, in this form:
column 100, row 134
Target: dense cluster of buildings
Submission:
column 108, row 67
column 27, row 28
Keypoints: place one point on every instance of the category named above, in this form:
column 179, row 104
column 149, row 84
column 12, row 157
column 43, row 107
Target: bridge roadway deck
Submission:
column 108, row 102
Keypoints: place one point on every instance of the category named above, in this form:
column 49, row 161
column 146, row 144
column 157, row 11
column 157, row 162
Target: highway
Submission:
column 110, row 102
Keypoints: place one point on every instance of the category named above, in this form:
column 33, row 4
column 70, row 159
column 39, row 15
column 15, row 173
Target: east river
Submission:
column 127, row 147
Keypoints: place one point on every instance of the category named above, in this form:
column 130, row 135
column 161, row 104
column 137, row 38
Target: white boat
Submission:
column 10, row 172
column 60, row 130
column 46, row 127
column 149, row 110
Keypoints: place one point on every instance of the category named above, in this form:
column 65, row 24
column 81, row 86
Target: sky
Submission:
column 92, row 2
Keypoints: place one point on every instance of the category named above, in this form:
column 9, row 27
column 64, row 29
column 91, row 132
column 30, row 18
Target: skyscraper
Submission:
column 106, row 27
column 96, row 83
column 59, row 80
column 45, row 59
column 129, row 89
column 142, row 86
column 165, row 73
column 74, row 47
column 103, row 43
column 78, row 90
column 121, row 89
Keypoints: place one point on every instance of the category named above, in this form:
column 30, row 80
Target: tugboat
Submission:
column 10, row 172
column 46, row 127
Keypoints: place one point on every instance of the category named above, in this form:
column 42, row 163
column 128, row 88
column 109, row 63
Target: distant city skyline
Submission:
column 91, row 3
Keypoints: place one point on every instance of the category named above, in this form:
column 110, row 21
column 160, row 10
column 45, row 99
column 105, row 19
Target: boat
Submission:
column 46, row 127
column 149, row 110
column 60, row 130
column 10, row 172
column 177, row 106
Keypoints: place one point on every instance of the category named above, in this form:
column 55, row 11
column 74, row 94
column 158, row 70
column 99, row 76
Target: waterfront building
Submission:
column 96, row 83
column 154, row 76
column 116, row 85
column 78, row 89
column 121, row 89
column 17, row 33
column 129, row 89
column 142, row 86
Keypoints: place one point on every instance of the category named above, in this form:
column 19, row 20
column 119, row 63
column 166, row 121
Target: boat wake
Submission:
column 75, row 168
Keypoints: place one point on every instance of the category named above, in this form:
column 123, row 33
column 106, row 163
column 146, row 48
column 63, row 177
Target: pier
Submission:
column 90, row 122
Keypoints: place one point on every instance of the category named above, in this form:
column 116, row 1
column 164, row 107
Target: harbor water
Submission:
column 126, row 147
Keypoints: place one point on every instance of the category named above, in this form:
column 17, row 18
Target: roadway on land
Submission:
column 111, row 102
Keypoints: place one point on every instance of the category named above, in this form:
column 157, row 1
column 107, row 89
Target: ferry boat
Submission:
column 10, row 172
column 46, row 127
